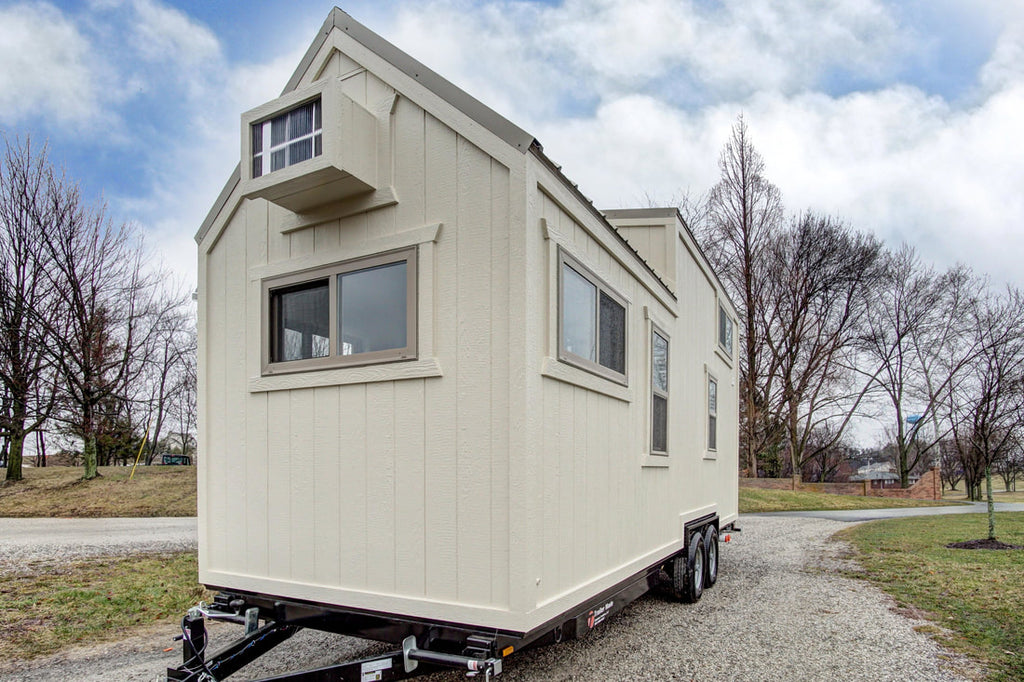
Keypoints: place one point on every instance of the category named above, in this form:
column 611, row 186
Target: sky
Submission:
column 902, row 117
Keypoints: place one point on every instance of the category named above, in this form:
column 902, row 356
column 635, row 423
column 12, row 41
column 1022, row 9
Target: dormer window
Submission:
column 309, row 148
column 287, row 139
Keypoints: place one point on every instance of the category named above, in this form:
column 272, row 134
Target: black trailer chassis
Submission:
column 422, row 646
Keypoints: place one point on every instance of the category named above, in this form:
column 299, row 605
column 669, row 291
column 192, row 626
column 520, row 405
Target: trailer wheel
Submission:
column 711, row 552
column 688, row 572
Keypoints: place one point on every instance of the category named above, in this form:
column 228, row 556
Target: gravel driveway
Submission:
column 780, row 611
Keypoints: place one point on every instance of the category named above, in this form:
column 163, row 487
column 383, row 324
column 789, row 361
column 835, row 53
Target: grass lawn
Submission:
column 58, row 606
column 976, row 596
column 60, row 492
column 998, row 495
column 754, row 500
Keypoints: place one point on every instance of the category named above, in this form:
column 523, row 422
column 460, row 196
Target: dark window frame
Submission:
column 726, row 330
column 593, row 366
column 272, row 286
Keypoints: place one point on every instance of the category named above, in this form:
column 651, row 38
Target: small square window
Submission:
column 301, row 322
column 287, row 139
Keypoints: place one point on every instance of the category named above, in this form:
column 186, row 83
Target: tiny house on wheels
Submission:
column 444, row 401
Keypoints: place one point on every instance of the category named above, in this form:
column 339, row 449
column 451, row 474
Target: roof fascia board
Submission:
column 500, row 126
column 588, row 205
column 612, row 242
column 219, row 204
column 641, row 213
column 314, row 47
column 475, row 111
column 415, row 91
column 686, row 234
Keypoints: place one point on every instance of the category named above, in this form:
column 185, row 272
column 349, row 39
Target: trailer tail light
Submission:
column 727, row 538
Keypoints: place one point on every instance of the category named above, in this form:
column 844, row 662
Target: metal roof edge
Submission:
column 219, row 204
column 640, row 212
column 497, row 124
column 538, row 151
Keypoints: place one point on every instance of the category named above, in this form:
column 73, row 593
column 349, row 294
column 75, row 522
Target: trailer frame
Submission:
column 425, row 646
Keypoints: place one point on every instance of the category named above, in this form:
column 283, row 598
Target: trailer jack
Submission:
column 405, row 663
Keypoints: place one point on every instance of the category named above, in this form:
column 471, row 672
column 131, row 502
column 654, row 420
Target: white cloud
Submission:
column 897, row 162
column 163, row 34
column 525, row 57
column 49, row 67
column 188, row 178
column 603, row 85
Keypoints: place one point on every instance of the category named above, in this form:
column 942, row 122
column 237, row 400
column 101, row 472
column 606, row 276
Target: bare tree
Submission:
column 167, row 365
column 950, row 469
column 34, row 200
column 743, row 211
column 987, row 407
column 184, row 406
column 916, row 342
column 1011, row 466
column 809, row 315
column 109, row 302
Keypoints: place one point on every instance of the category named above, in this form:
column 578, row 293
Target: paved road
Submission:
column 24, row 541
column 857, row 515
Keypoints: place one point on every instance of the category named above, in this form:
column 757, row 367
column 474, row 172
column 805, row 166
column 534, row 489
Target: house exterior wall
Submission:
column 608, row 507
column 353, row 484
column 485, row 482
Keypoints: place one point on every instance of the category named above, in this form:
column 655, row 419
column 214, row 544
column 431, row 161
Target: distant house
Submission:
column 881, row 475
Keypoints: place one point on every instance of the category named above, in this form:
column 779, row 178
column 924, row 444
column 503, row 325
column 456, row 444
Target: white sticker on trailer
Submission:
column 371, row 671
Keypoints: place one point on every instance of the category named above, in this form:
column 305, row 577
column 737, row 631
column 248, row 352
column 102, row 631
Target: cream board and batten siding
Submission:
column 483, row 482
column 610, row 507
column 391, row 495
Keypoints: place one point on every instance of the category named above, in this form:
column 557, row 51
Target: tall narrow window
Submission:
column 287, row 139
column 592, row 322
column 659, row 392
column 725, row 329
column 712, row 413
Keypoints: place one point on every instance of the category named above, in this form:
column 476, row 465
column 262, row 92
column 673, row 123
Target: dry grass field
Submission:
column 61, row 492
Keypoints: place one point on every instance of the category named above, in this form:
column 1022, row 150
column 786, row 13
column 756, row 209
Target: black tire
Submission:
column 688, row 571
column 711, row 557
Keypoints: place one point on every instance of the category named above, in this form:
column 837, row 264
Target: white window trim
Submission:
column 266, row 135
column 565, row 258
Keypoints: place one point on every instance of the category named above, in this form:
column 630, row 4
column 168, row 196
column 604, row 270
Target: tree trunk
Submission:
column 89, row 457
column 991, row 504
column 40, row 448
column 904, row 473
column 14, row 455
column 16, row 436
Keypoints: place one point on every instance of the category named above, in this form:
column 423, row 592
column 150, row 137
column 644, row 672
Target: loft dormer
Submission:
column 309, row 147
